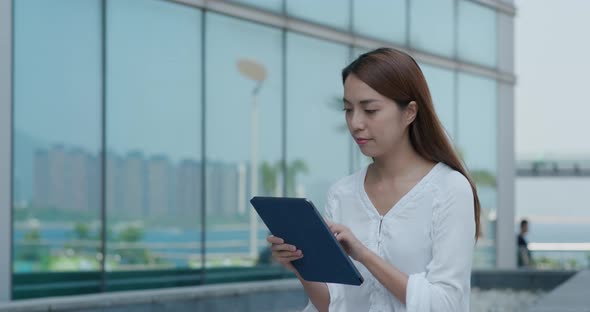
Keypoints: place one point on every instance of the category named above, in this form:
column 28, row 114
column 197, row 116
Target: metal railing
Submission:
column 553, row 168
column 560, row 256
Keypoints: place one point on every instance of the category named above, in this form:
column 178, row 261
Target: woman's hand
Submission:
column 348, row 241
column 284, row 253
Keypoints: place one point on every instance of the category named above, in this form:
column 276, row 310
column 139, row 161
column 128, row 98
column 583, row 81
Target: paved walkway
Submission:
column 571, row 296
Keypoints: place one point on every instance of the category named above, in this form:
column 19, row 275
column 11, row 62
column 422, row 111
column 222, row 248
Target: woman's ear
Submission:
column 410, row 112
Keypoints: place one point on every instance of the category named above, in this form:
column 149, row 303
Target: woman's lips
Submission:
column 361, row 141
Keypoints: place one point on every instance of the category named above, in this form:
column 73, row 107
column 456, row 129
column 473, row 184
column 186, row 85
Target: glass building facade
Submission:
column 135, row 132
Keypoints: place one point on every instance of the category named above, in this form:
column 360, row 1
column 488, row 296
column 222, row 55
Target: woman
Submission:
column 410, row 219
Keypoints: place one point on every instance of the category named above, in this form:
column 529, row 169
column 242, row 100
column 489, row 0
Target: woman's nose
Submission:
column 357, row 121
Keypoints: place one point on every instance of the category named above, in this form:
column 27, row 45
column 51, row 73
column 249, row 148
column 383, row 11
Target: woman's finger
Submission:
column 279, row 247
column 341, row 237
column 286, row 254
column 283, row 255
column 275, row 240
column 335, row 227
column 289, row 259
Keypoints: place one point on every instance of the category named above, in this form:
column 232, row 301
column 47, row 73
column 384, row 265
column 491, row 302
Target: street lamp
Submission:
column 254, row 71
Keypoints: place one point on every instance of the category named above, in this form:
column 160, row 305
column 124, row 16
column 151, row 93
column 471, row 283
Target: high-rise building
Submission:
column 41, row 179
column 79, row 180
column 225, row 178
column 134, row 178
column 114, row 184
column 66, row 179
column 59, row 173
column 159, row 186
column 94, row 183
column 188, row 189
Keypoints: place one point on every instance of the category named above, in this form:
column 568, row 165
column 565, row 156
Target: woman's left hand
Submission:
column 348, row 241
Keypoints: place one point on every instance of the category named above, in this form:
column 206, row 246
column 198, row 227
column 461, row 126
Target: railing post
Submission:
column 5, row 150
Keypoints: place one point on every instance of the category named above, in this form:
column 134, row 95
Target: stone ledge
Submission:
column 274, row 295
column 157, row 296
column 571, row 296
column 530, row 280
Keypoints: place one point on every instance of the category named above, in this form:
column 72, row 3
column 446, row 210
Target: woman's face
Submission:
column 376, row 122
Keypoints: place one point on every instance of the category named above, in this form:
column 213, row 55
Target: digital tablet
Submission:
column 297, row 221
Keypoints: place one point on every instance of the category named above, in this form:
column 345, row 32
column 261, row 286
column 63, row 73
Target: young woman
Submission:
column 410, row 219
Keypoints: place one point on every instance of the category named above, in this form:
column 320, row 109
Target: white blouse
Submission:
column 429, row 234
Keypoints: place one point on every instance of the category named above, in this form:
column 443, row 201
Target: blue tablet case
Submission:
column 297, row 221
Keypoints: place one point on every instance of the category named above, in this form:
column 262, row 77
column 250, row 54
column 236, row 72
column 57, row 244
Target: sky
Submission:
column 552, row 110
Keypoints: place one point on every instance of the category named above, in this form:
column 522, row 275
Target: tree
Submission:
column 269, row 174
column 483, row 178
column 81, row 231
column 133, row 254
column 480, row 177
column 131, row 234
column 293, row 169
column 31, row 250
column 32, row 236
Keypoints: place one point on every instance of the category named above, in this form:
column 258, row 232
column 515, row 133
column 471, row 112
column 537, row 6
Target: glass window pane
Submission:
column 244, row 109
column 431, row 26
column 357, row 51
column 334, row 13
column 318, row 153
column 476, row 137
column 153, row 135
column 270, row 5
column 477, row 33
column 441, row 84
column 381, row 19
column 57, row 105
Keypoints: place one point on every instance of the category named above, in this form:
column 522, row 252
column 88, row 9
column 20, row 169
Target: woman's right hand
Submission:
column 284, row 253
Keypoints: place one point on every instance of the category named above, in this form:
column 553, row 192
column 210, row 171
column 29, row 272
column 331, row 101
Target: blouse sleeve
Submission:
column 447, row 277
column 330, row 205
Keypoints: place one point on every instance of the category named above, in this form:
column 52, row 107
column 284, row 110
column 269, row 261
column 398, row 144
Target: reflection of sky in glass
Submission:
column 477, row 33
column 334, row 13
column 153, row 75
column 154, row 78
column 58, row 71
column 431, row 25
column 154, row 72
column 477, row 121
column 381, row 19
column 357, row 51
column 440, row 82
column 229, row 94
column 57, row 99
column 316, row 130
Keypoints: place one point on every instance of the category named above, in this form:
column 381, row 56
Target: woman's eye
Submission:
column 348, row 110
column 370, row 111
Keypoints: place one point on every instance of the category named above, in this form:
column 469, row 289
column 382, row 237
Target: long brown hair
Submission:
column 396, row 75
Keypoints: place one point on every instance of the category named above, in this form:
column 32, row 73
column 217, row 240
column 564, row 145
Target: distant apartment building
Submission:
column 188, row 189
column 159, row 186
column 133, row 182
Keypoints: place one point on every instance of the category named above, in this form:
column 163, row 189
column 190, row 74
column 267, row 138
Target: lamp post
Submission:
column 254, row 71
